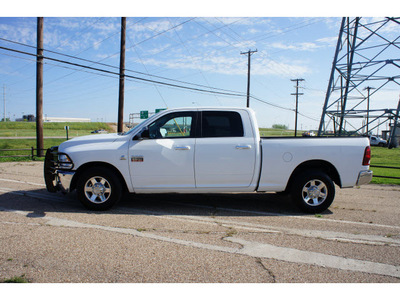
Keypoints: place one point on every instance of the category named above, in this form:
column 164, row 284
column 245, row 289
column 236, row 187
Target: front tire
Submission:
column 98, row 189
column 313, row 191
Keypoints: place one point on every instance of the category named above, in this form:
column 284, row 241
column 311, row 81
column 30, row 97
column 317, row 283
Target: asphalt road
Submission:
column 229, row 238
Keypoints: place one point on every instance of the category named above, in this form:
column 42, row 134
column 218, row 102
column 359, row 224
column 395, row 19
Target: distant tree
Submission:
column 279, row 126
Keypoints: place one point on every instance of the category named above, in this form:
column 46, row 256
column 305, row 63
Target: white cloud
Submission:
column 329, row 41
column 383, row 27
column 208, row 43
column 231, row 65
column 158, row 50
column 154, row 26
column 305, row 46
column 25, row 33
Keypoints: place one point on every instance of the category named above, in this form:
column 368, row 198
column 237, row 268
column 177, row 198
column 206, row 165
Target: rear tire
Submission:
column 98, row 189
column 313, row 191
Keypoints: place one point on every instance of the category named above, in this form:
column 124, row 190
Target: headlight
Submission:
column 64, row 162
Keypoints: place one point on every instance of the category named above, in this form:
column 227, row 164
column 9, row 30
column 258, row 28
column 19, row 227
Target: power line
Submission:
column 148, row 74
column 80, row 32
column 265, row 102
column 271, row 104
column 159, row 33
column 190, row 54
column 99, row 71
column 128, row 76
column 111, row 74
column 127, row 70
column 281, row 66
column 162, row 32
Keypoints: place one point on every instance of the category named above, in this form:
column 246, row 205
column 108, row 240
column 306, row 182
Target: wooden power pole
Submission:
column 297, row 102
column 4, row 101
column 122, row 77
column 249, row 53
column 368, row 88
column 39, row 88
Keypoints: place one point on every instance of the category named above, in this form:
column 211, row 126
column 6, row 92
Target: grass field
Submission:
column 28, row 129
column 264, row 132
column 385, row 157
column 24, row 144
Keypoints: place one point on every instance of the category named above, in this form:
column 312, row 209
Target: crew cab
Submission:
column 205, row 150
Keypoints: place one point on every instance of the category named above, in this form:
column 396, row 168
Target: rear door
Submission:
column 225, row 150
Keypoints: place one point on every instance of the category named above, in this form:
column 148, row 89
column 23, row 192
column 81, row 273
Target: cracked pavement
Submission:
column 258, row 238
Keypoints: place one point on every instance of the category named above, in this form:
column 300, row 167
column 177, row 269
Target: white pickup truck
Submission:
column 205, row 150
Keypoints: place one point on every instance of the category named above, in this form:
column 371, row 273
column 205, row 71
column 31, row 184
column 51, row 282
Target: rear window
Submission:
column 221, row 124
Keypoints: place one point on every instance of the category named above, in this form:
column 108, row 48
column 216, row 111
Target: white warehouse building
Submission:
column 60, row 119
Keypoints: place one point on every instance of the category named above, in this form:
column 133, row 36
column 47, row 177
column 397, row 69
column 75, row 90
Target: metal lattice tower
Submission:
column 366, row 62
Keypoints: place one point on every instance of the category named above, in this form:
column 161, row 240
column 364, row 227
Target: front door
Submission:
column 165, row 160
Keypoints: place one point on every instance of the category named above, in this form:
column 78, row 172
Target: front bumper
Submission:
column 364, row 177
column 56, row 179
column 63, row 180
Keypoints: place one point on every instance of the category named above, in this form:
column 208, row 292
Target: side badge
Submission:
column 136, row 158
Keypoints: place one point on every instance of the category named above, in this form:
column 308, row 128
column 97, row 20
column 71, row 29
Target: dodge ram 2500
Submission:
column 205, row 150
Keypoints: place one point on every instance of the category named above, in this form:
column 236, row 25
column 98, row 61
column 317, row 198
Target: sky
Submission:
column 201, row 51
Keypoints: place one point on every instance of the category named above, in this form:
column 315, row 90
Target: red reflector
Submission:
column 367, row 156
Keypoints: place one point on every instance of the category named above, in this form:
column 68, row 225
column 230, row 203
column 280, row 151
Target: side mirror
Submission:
column 143, row 134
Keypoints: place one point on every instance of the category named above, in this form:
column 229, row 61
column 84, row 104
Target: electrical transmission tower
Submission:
column 367, row 54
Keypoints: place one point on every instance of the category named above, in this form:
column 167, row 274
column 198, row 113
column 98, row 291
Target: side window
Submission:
column 176, row 125
column 221, row 124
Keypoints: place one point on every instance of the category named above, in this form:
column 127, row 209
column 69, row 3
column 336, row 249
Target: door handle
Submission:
column 182, row 148
column 243, row 147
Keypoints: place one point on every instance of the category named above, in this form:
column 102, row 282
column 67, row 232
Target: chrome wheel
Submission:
column 314, row 192
column 97, row 189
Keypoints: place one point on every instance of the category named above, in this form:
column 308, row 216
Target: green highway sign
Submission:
column 159, row 109
column 144, row 114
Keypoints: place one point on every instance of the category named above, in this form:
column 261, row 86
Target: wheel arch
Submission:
column 92, row 164
column 321, row 165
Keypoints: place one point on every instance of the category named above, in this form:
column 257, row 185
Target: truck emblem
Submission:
column 137, row 159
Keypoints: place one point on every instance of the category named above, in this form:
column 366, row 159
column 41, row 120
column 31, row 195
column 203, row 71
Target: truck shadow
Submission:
column 39, row 202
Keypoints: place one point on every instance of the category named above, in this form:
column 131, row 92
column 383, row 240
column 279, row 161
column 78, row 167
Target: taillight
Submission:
column 367, row 156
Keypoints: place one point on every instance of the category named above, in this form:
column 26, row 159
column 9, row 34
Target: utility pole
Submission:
column 249, row 53
column 393, row 142
column 368, row 88
column 4, row 99
column 39, row 88
column 297, row 102
column 122, row 77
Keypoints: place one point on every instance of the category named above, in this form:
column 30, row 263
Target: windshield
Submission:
column 140, row 124
column 132, row 129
